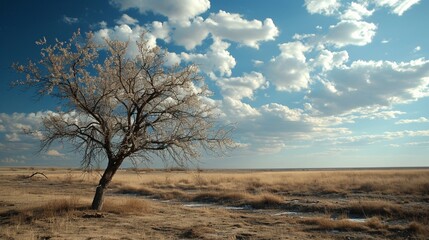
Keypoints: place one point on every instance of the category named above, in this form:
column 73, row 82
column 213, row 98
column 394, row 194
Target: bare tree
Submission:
column 118, row 107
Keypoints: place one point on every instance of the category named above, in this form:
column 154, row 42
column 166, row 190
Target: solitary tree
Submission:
column 118, row 106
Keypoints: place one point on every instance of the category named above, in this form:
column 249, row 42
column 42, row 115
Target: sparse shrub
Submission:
column 199, row 180
column 266, row 200
column 68, row 178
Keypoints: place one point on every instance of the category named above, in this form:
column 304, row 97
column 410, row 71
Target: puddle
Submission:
column 359, row 220
column 286, row 213
column 197, row 205
column 237, row 208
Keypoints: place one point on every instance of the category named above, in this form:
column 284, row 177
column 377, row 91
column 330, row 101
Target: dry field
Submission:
column 341, row 204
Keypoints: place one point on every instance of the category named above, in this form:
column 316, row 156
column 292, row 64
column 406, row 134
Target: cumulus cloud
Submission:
column 277, row 127
column 20, row 122
column 160, row 30
column 192, row 34
column 125, row 19
column 120, row 32
column 216, row 59
column 235, row 109
column 176, row 11
column 241, row 87
column 350, row 32
column 289, row 70
column 325, row 7
column 132, row 34
column 233, row 27
column 172, row 58
column 356, row 11
column 225, row 26
column 54, row 153
column 190, row 30
column 329, row 60
column 369, row 84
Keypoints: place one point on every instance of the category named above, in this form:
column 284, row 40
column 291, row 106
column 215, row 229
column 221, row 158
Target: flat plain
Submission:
column 216, row 204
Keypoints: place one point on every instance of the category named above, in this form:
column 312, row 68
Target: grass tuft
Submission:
column 52, row 209
column 127, row 206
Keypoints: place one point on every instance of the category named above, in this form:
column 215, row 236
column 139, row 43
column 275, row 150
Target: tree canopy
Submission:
column 117, row 104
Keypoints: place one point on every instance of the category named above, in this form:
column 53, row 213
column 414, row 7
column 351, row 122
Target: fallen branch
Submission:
column 40, row 173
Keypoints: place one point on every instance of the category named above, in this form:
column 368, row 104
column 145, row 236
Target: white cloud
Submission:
column 125, row 19
column 70, row 20
column 224, row 26
column 329, row 60
column 102, row 24
column 217, row 59
column 371, row 84
column 350, row 32
column 257, row 63
column 282, row 112
column 289, row 71
column 360, row 140
column 408, row 121
column 176, row 11
column 235, row 109
column 160, row 30
column 191, row 35
column 277, row 127
column 17, row 122
column 397, row 6
column 417, row 49
column 126, row 33
column 241, row 87
column 172, row 59
column 54, row 153
column 121, row 32
column 12, row 137
column 325, row 7
column 233, row 27
column 9, row 160
column 356, row 11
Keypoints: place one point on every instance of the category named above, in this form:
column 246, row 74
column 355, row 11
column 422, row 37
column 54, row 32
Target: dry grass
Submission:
column 340, row 225
column 395, row 202
column 127, row 206
column 374, row 225
column 52, row 209
column 295, row 182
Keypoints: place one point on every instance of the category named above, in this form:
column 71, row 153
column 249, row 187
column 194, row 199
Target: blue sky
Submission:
column 312, row 83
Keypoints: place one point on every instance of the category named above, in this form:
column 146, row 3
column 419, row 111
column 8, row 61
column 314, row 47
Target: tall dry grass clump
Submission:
column 52, row 209
column 128, row 206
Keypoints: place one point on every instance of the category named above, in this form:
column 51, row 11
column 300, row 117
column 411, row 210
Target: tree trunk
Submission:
column 97, row 202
